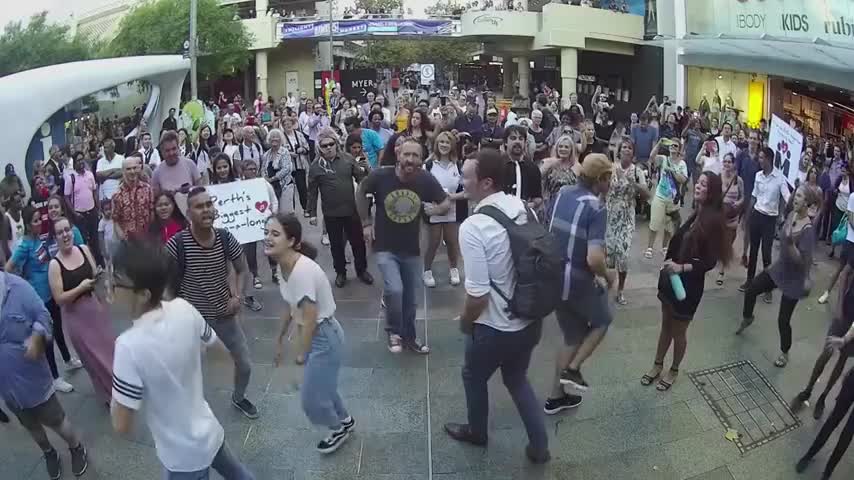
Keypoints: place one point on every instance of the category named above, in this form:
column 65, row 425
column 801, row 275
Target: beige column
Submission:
column 261, row 72
column 261, row 7
column 524, row 76
column 568, row 71
column 508, row 67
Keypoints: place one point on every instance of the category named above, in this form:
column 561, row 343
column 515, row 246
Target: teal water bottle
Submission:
column 678, row 288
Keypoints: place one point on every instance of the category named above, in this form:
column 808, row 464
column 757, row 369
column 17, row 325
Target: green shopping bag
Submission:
column 838, row 236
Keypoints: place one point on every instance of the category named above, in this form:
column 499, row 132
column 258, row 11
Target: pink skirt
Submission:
column 88, row 326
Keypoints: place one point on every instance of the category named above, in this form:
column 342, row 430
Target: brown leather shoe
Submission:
column 463, row 433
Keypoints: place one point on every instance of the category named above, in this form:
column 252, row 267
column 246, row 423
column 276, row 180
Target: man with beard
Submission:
column 401, row 194
column 522, row 177
column 202, row 254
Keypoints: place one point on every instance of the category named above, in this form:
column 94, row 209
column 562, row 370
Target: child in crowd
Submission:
column 106, row 237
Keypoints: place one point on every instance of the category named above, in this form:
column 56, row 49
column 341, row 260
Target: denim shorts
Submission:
column 583, row 313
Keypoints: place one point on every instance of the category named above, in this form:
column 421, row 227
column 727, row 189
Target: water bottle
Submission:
column 678, row 288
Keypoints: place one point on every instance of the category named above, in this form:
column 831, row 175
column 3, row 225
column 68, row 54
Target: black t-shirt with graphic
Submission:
column 399, row 206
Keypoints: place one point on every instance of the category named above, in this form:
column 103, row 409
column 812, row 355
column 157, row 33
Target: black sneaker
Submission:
column 743, row 287
column 803, row 396
column 53, row 463
column 246, row 407
column 348, row 423
column 574, row 379
column 802, row 465
column 3, row 417
column 557, row 405
column 79, row 460
column 334, row 441
column 275, row 279
column 819, row 408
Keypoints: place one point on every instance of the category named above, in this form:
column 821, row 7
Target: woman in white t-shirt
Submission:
column 443, row 164
column 842, row 209
column 308, row 297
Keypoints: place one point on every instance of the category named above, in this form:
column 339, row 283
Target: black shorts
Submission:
column 577, row 317
column 50, row 414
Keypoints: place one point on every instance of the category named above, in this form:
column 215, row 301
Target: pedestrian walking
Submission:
column 734, row 199
column 308, row 298
column 158, row 364
column 696, row 248
column 843, row 404
column 401, row 193
column 26, row 383
column 72, row 279
column 578, row 221
column 495, row 339
column 672, row 175
column 202, row 254
column 791, row 272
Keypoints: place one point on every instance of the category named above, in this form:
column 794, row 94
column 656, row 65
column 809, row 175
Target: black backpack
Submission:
column 538, row 263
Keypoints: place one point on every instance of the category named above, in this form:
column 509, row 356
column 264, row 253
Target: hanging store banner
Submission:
column 344, row 28
column 787, row 144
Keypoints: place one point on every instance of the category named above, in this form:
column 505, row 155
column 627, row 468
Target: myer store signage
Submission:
column 831, row 20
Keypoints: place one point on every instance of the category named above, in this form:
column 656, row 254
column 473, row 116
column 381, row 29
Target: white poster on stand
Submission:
column 787, row 145
column 242, row 208
column 428, row 73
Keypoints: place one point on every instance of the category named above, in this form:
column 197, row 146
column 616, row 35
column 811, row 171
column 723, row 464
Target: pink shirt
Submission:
column 172, row 177
column 80, row 188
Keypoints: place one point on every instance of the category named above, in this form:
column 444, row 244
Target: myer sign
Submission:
column 831, row 20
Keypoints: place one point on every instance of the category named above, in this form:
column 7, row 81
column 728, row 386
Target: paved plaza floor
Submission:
column 400, row 402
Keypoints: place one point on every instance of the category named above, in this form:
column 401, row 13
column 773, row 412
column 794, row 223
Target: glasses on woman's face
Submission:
column 327, row 145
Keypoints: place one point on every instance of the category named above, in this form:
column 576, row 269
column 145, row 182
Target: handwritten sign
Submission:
column 242, row 208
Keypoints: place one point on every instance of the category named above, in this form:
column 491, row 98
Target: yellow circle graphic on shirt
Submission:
column 402, row 206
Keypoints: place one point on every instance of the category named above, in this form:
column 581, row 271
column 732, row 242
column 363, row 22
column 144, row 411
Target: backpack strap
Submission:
column 496, row 214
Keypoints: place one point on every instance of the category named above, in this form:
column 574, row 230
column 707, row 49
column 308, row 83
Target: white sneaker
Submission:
column 455, row 276
column 324, row 239
column 823, row 298
column 73, row 364
column 62, row 386
column 429, row 281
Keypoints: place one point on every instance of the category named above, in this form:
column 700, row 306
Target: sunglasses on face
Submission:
column 327, row 145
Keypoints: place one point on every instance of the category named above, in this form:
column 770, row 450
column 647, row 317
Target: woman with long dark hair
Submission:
column 223, row 172
column 695, row 249
column 421, row 129
column 308, row 297
column 185, row 143
column 168, row 219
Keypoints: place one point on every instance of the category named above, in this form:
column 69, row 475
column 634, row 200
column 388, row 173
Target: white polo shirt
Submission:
column 767, row 190
column 158, row 362
column 109, row 186
column 725, row 147
column 485, row 247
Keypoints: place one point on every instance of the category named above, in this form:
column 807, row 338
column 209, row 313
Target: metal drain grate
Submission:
column 743, row 400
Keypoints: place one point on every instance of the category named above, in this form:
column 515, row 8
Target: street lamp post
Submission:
column 331, row 55
column 194, row 81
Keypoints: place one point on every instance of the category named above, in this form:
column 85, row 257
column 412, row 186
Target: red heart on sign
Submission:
column 261, row 206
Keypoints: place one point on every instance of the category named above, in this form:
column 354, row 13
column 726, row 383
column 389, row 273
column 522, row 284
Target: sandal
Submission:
column 782, row 360
column 663, row 385
column 648, row 253
column 720, row 280
column 647, row 379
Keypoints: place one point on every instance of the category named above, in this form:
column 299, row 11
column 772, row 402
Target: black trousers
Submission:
column 87, row 222
column 762, row 229
column 825, row 222
column 251, row 252
column 302, row 188
column 58, row 339
column 763, row 284
column 840, row 410
column 341, row 230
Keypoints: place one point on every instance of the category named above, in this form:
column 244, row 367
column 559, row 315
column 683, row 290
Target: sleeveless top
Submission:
column 72, row 278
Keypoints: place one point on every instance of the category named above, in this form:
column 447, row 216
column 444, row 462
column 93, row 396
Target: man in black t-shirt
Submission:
column 401, row 194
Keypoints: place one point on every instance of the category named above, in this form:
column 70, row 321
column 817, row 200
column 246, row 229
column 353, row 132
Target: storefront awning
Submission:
column 817, row 60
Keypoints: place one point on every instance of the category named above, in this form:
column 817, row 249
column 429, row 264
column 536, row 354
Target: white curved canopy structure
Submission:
column 31, row 97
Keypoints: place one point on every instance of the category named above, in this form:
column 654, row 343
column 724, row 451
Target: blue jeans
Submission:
column 487, row 350
column 320, row 400
column 231, row 334
column 401, row 279
column 225, row 463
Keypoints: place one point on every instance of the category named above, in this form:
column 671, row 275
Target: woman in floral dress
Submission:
column 560, row 169
column 627, row 183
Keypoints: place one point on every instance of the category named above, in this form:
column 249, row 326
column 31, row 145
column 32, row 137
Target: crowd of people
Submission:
column 561, row 179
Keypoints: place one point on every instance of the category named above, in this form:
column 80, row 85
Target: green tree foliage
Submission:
column 162, row 27
column 38, row 44
column 402, row 53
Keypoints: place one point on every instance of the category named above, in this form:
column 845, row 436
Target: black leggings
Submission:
column 840, row 410
column 302, row 188
column 58, row 339
column 763, row 284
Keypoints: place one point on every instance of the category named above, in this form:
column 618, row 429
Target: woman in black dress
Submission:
column 696, row 247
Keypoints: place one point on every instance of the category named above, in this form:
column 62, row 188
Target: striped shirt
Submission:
column 205, row 280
